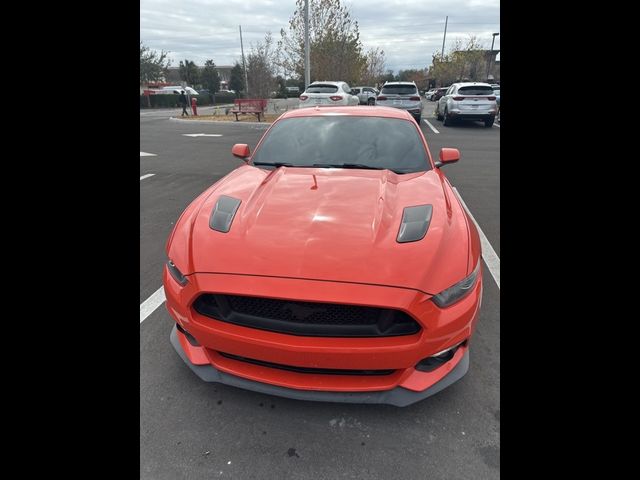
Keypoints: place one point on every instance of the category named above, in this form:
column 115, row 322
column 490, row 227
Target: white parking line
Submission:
column 150, row 304
column 496, row 125
column 147, row 176
column 488, row 253
column 145, row 154
column 430, row 126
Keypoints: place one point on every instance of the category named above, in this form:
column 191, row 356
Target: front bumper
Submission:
column 398, row 396
column 216, row 342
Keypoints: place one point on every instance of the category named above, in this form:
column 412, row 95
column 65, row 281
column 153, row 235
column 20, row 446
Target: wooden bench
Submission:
column 242, row 106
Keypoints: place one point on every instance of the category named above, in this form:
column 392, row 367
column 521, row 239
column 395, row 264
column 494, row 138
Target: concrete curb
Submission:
column 214, row 122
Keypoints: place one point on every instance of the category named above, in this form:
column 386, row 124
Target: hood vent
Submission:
column 223, row 213
column 415, row 223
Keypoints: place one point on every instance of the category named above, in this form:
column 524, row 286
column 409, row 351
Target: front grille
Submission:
column 306, row 318
column 317, row 371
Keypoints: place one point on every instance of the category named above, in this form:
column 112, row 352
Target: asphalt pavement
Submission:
column 196, row 430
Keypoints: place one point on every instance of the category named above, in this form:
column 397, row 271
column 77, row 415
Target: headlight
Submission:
column 176, row 274
column 457, row 292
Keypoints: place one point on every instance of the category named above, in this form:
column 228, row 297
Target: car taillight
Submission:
column 381, row 97
column 303, row 97
column 457, row 99
column 491, row 98
column 414, row 98
column 335, row 98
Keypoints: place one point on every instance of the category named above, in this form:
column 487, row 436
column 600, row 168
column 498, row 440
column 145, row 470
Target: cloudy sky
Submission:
column 409, row 31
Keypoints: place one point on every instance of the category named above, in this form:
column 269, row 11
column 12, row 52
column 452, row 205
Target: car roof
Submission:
column 467, row 84
column 329, row 82
column 351, row 111
column 400, row 83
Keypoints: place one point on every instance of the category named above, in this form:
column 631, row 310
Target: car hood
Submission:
column 327, row 224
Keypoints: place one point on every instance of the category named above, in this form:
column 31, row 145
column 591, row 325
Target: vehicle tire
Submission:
column 438, row 116
column 418, row 118
column 488, row 122
column 446, row 121
column 371, row 101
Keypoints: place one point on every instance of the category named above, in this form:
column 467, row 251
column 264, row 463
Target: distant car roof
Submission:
column 400, row 83
column 475, row 84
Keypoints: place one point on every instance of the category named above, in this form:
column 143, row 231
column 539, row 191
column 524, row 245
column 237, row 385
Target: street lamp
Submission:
column 490, row 53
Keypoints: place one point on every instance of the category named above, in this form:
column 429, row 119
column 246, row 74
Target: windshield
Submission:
column 331, row 141
column 399, row 90
column 322, row 89
column 475, row 90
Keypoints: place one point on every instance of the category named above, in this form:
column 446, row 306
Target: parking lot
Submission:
column 197, row 430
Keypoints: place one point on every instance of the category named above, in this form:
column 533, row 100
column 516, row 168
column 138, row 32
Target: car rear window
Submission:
column 475, row 90
column 305, row 141
column 322, row 89
column 399, row 90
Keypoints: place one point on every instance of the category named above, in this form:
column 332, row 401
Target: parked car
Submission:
column 439, row 93
column 429, row 93
column 327, row 93
column 296, row 275
column 496, row 92
column 468, row 101
column 402, row 95
column 367, row 95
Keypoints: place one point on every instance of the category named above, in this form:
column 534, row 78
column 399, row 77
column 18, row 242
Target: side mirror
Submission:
column 448, row 155
column 241, row 150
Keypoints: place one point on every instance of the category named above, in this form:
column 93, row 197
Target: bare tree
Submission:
column 463, row 62
column 374, row 68
column 334, row 42
column 153, row 65
column 261, row 68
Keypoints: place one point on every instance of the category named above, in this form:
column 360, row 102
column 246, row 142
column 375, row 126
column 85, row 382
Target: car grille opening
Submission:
column 317, row 371
column 306, row 318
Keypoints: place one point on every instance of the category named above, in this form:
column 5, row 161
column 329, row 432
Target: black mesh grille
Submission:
column 317, row 371
column 306, row 318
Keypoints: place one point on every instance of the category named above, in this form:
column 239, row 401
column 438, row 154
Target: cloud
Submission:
column 409, row 31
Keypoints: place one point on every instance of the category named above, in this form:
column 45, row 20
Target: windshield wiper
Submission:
column 276, row 164
column 346, row 165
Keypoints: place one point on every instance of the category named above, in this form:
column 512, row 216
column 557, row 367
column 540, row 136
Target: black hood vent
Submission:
column 223, row 213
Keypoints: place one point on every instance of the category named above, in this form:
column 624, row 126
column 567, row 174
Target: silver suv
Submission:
column 468, row 100
column 402, row 95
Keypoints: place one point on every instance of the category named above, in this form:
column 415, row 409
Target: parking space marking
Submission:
column 201, row 135
column 145, row 154
column 150, row 304
column 496, row 125
column 147, row 176
column 430, row 126
column 488, row 253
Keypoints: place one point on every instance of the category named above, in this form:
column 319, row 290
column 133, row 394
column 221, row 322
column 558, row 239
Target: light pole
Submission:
column 491, row 53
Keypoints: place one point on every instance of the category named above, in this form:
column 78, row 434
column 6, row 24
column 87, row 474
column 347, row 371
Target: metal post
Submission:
column 491, row 54
column 307, row 69
column 445, row 35
column 244, row 66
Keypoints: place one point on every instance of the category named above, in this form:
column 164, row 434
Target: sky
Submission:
column 409, row 31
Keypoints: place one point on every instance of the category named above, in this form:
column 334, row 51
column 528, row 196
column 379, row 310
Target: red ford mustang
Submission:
column 336, row 265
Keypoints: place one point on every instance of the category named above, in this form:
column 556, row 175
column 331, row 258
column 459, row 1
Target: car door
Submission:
column 442, row 103
column 368, row 93
column 351, row 99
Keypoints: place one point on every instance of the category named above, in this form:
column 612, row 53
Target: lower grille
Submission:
column 317, row 371
column 306, row 318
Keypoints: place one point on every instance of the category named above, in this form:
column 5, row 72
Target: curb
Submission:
column 213, row 122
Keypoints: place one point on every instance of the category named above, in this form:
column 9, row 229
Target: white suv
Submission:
column 327, row 94
column 470, row 101
column 402, row 95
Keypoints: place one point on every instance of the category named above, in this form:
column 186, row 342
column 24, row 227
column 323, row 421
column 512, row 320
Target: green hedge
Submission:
column 173, row 101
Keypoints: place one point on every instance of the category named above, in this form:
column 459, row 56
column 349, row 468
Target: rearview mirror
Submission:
column 241, row 150
column 448, row 155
